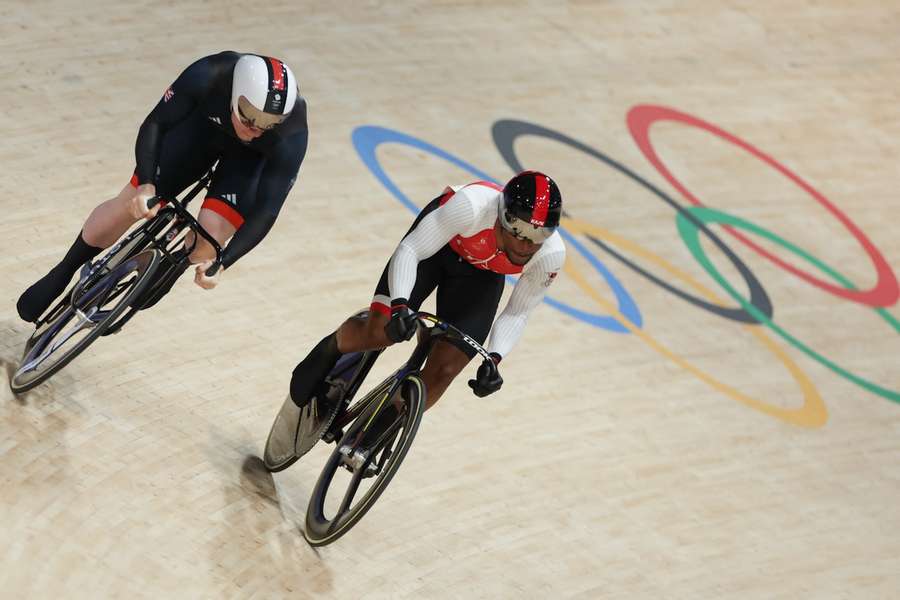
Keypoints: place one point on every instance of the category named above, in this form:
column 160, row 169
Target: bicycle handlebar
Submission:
column 457, row 333
column 195, row 225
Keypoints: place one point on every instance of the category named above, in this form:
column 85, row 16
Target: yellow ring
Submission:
column 813, row 413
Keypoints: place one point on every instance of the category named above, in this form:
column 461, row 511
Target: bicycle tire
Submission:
column 320, row 530
column 145, row 263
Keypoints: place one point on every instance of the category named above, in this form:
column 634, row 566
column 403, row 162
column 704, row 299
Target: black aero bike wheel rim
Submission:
column 321, row 530
column 91, row 313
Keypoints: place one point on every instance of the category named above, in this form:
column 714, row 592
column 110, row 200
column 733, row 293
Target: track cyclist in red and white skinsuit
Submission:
column 463, row 243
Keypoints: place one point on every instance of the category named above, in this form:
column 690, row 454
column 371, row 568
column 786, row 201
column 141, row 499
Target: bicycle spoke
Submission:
column 386, row 450
column 387, row 438
column 351, row 491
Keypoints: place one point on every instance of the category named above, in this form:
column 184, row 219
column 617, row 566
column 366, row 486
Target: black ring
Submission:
column 505, row 133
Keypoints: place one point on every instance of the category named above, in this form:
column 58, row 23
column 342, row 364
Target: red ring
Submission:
column 886, row 290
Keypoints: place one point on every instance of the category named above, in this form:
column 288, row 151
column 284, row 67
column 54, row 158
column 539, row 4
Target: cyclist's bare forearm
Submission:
column 357, row 335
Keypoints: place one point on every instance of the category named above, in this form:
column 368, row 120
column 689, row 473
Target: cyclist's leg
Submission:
column 110, row 219
column 106, row 223
column 40, row 295
column 220, row 228
column 445, row 362
column 467, row 298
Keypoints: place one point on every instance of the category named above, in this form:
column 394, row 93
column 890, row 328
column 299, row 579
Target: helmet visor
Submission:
column 254, row 117
column 524, row 230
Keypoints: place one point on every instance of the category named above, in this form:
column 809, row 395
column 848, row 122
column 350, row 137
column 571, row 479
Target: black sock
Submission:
column 78, row 254
column 313, row 369
column 35, row 300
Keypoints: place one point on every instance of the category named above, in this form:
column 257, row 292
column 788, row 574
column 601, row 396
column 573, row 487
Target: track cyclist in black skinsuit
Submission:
column 242, row 110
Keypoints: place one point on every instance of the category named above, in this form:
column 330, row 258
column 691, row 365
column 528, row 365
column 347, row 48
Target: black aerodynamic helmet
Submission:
column 531, row 206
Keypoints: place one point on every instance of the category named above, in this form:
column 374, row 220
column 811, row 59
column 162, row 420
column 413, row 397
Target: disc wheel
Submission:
column 314, row 420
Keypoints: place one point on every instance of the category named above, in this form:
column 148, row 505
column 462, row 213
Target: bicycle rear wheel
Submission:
column 78, row 325
column 384, row 459
column 296, row 430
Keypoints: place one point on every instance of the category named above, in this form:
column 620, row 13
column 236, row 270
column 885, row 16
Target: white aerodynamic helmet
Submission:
column 263, row 91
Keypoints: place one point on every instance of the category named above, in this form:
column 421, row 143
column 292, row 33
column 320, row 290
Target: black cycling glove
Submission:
column 403, row 323
column 487, row 380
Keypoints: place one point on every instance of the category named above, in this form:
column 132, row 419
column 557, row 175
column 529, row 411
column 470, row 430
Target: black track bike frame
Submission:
column 440, row 330
column 146, row 237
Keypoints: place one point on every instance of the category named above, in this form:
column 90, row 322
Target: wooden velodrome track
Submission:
column 686, row 455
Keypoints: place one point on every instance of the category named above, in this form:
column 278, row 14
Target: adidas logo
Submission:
column 216, row 120
column 230, row 198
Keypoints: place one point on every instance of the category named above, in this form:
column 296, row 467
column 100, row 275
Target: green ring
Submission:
column 690, row 237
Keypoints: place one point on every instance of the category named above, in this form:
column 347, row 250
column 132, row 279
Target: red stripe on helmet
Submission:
column 541, row 199
column 277, row 74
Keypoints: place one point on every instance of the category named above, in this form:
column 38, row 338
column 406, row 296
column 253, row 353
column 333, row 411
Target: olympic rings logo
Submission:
column 622, row 315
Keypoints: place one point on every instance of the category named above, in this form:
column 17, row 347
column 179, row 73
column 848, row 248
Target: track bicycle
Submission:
column 133, row 274
column 372, row 434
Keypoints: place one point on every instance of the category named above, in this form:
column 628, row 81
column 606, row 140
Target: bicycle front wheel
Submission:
column 79, row 324
column 329, row 516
